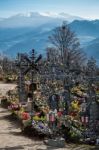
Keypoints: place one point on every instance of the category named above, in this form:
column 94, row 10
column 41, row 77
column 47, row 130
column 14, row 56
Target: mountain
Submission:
column 34, row 19
column 92, row 48
column 85, row 30
column 70, row 18
column 24, row 43
column 21, row 33
column 86, row 27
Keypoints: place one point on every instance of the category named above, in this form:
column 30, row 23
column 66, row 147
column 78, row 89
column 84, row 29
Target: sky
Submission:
column 82, row 8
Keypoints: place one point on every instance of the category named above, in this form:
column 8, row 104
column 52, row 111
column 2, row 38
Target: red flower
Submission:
column 25, row 116
column 59, row 114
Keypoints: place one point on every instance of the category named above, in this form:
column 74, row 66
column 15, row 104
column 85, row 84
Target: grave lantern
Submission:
column 85, row 120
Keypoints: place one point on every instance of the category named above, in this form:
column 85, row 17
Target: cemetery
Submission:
column 49, row 108
column 55, row 98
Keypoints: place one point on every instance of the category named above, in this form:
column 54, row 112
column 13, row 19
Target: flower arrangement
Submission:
column 25, row 116
column 37, row 118
column 14, row 107
column 41, row 127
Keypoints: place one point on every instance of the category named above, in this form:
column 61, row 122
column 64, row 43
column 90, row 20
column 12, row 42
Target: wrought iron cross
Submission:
column 30, row 64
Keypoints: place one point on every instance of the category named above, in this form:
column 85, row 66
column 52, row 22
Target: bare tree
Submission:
column 67, row 44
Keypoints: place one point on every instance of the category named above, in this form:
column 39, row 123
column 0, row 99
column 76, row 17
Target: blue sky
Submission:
column 82, row 8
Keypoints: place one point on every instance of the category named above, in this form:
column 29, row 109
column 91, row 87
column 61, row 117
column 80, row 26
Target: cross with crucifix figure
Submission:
column 30, row 64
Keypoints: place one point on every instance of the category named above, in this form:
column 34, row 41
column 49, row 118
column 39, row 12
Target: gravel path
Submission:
column 10, row 133
column 11, row 137
column 6, row 87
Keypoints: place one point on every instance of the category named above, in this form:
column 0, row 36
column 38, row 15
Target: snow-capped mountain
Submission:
column 22, row 32
column 34, row 19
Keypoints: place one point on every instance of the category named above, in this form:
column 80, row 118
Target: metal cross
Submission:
column 30, row 64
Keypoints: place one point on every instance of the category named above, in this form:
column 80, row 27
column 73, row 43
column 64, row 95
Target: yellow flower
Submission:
column 75, row 105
